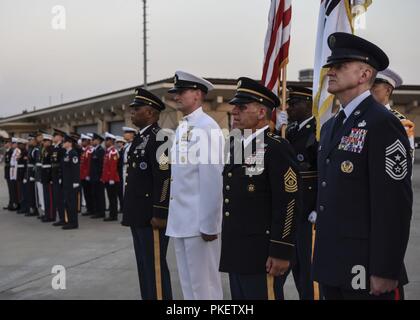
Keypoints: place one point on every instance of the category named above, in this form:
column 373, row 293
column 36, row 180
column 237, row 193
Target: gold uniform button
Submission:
column 227, row 214
column 226, row 200
column 227, row 188
column 230, row 174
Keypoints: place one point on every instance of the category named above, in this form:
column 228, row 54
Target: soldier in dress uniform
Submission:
column 71, row 181
column 38, row 173
column 14, row 173
column 120, row 142
column 301, row 133
column 85, row 159
column 364, row 154
column 46, row 180
column 147, row 196
column 261, row 199
column 97, row 186
column 129, row 134
column 110, row 176
column 33, row 151
column 7, row 158
column 21, row 176
column 78, row 148
column 195, row 207
column 57, row 178
column 385, row 84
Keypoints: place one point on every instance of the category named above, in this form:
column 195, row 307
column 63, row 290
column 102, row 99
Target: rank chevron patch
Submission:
column 290, row 181
column 396, row 161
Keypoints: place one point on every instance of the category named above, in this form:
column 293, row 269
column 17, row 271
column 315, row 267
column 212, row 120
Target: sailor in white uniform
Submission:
column 385, row 83
column 195, row 206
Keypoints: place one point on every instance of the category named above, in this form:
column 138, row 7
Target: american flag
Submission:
column 277, row 43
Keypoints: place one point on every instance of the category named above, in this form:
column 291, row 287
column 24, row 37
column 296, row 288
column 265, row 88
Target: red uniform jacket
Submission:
column 85, row 162
column 110, row 170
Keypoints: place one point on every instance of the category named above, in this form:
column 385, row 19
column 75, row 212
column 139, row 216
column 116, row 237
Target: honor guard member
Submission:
column 38, row 174
column 364, row 154
column 260, row 191
column 301, row 134
column 78, row 147
column 21, row 176
column 146, row 197
column 85, row 159
column 46, row 178
column 195, row 207
column 7, row 158
column 57, row 177
column 129, row 134
column 33, row 151
column 13, row 174
column 71, row 182
column 120, row 143
column 385, row 84
column 110, row 176
column 97, row 186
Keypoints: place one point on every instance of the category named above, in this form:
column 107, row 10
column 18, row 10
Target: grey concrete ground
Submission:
column 99, row 258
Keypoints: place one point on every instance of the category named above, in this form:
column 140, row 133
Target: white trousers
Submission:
column 40, row 192
column 198, row 268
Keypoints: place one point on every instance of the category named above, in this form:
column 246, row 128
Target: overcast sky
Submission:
column 101, row 48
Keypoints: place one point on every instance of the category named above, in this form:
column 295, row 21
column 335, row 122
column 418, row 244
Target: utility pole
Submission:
column 144, row 45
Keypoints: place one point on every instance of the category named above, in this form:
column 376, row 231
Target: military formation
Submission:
column 50, row 176
column 252, row 204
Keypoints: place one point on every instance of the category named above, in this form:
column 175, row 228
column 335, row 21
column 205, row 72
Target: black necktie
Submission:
column 338, row 123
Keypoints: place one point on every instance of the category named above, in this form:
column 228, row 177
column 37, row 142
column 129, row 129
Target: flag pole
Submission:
column 283, row 96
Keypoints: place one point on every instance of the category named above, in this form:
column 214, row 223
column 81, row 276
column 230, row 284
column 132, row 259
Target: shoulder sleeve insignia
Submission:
column 290, row 181
column 396, row 161
column 75, row 160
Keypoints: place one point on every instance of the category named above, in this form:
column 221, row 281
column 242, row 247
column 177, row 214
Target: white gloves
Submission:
column 281, row 119
column 25, row 181
column 87, row 179
column 312, row 217
column 59, row 181
column 111, row 182
column 31, row 179
column 75, row 185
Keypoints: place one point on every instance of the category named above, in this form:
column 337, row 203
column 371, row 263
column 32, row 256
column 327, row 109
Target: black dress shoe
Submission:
column 86, row 214
column 58, row 223
column 110, row 219
column 21, row 212
column 69, row 226
column 47, row 220
column 96, row 216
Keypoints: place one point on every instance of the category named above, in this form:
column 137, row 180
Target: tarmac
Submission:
column 99, row 259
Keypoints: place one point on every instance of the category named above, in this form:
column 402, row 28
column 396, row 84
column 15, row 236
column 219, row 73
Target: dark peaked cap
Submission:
column 346, row 47
column 249, row 90
column 146, row 98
